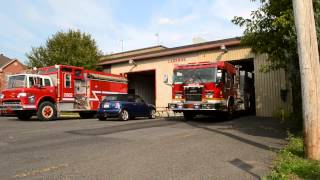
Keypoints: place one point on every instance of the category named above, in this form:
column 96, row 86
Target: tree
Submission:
column 271, row 30
column 69, row 48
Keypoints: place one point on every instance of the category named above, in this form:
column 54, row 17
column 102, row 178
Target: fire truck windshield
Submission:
column 18, row 81
column 187, row 76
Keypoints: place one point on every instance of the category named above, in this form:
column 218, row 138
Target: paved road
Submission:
column 205, row 148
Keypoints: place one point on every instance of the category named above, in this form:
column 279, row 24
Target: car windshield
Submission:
column 18, row 81
column 117, row 97
column 194, row 75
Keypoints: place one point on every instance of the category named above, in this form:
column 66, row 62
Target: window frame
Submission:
column 65, row 80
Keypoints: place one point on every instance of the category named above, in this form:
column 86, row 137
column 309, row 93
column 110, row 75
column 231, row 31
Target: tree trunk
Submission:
column 310, row 75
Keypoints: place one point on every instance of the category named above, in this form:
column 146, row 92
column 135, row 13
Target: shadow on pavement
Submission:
column 244, row 166
column 123, row 127
column 250, row 125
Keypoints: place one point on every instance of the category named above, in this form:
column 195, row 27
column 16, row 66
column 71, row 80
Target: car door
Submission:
column 131, row 106
column 141, row 106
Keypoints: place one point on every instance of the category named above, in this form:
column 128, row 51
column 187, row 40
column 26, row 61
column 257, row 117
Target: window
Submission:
column 35, row 81
column 31, row 82
column 47, row 82
column 131, row 98
column 18, row 81
column 77, row 73
column 66, row 69
column 67, row 80
column 139, row 99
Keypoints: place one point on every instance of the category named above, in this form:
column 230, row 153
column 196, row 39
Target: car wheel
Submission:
column 124, row 115
column 47, row 111
column 152, row 114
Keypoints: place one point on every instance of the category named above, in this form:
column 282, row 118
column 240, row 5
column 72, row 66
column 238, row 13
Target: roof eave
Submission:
column 174, row 51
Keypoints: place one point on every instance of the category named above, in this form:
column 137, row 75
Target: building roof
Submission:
column 134, row 52
column 170, row 51
column 4, row 60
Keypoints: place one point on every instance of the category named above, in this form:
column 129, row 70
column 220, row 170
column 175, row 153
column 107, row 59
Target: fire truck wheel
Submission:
column 152, row 114
column 24, row 115
column 230, row 113
column 188, row 116
column 47, row 111
column 124, row 115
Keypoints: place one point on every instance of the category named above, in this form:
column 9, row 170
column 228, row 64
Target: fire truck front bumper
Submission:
column 16, row 107
column 198, row 106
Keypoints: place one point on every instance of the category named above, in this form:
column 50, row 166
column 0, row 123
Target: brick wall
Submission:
column 13, row 68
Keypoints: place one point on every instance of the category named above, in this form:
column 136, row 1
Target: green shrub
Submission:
column 291, row 120
column 291, row 164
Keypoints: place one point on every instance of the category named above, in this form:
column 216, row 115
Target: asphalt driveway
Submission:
column 206, row 148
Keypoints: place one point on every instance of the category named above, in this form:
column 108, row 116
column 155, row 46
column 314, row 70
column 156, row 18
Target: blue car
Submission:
column 125, row 106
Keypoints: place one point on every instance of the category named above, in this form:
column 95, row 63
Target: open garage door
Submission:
column 247, row 79
column 143, row 84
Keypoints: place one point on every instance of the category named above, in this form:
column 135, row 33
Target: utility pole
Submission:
column 310, row 75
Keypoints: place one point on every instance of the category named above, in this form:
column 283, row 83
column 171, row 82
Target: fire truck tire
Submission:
column 24, row 115
column 188, row 116
column 124, row 115
column 230, row 112
column 47, row 111
column 87, row 115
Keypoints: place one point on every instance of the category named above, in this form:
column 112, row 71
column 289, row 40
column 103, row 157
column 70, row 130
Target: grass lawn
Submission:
column 291, row 163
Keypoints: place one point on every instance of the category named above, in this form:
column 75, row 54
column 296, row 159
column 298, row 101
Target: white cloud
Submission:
column 176, row 22
column 166, row 21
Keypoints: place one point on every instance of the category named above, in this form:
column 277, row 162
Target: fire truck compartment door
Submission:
column 80, row 87
column 67, row 85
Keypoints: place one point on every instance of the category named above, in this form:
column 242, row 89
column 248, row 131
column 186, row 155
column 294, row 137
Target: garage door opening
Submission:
column 247, row 82
column 143, row 84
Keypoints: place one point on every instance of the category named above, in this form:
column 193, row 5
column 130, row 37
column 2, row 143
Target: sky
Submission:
column 117, row 24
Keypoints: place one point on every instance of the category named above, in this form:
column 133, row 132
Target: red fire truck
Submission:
column 60, row 88
column 206, row 88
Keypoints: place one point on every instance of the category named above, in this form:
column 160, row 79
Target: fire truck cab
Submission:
column 48, row 91
column 206, row 88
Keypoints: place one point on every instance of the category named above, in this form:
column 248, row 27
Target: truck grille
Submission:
column 11, row 103
column 193, row 93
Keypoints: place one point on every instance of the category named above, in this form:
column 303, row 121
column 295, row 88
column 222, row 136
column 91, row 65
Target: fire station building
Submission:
column 146, row 68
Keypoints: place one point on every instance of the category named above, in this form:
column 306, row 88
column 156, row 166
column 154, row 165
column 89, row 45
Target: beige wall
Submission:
column 267, row 89
column 165, row 65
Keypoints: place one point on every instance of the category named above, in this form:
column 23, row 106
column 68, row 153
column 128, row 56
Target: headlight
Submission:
column 31, row 99
column 22, row 95
column 209, row 95
column 1, row 96
column 106, row 105
column 178, row 96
